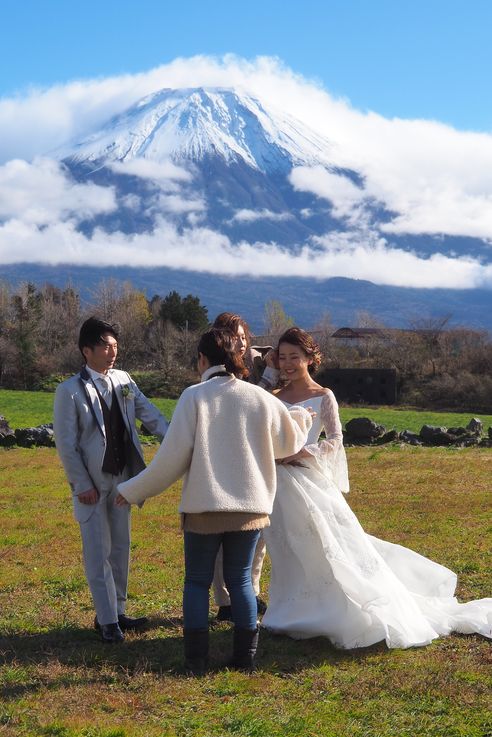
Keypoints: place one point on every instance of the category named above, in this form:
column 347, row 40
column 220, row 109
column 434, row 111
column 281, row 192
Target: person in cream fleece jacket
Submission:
column 223, row 439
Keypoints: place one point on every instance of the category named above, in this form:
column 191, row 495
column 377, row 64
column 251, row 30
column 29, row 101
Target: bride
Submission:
column 329, row 577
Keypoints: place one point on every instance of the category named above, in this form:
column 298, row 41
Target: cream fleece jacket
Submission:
column 223, row 438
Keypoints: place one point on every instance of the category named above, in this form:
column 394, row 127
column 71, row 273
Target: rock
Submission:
column 29, row 437
column 25, row 437
column 363, row 429
column 458, row 431
column 475, row 426
column 7, row 441
column 389, row 437
column 7, row 435
column 432, row 435
column 45, row 435
column 469, row 442
column 410, row 437
column 5, row 428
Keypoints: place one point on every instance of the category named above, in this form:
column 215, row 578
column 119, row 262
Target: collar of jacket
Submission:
column 95, row 404
column 212, row 370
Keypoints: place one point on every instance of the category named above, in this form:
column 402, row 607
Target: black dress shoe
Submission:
column 224, row 614
column 132, row 623
column 110, row 633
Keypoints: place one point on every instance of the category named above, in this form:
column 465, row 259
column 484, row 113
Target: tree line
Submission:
column 437, row 366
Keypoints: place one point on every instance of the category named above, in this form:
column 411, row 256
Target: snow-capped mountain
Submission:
column 192, row 124
column 215, row 157
column 205, row 180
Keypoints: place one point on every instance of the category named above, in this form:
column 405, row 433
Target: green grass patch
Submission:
column 29, row 409
column 412, row 419
column 26, row 409
column 58, row 680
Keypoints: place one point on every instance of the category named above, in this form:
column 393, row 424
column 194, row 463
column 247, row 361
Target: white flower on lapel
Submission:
column 127, row 393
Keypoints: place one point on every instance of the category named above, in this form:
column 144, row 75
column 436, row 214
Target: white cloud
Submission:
column 153, row 170
column 131, row 201
column 344, row 195
column 41, row 193
column 201, row 249
column 251, row 216
column 178, row 204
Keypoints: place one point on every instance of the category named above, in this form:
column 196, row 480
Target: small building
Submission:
column 358, row 333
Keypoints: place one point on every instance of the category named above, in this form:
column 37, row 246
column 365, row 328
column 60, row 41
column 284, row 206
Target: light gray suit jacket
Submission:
column 80, row 434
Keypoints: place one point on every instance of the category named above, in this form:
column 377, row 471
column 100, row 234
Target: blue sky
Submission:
column 421, row 59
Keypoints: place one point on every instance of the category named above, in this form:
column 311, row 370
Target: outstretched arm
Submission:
column 171, row 460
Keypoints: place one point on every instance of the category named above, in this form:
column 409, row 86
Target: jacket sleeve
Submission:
column 148, row 413
column 290, row 429
column 172, row 459
column 65, row 427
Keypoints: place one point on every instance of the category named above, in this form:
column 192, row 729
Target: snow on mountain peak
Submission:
column 184, row 124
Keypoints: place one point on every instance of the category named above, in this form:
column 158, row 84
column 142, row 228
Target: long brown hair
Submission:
column 306, row 342
column 219, row 346
column 231, row 321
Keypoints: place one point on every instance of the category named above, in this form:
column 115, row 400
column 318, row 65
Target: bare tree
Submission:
column 275, row 318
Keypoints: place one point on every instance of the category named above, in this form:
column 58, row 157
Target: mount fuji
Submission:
column 223, row 151
column 221, row 161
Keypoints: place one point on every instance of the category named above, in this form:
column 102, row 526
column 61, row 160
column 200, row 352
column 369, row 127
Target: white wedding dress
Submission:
column 330, row 578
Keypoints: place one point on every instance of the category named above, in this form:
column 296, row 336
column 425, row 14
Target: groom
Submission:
column 95, row 432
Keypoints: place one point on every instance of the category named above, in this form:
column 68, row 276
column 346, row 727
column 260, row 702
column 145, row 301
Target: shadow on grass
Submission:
column 85, row 660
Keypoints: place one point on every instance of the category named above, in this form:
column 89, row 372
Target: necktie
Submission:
column 105, row 389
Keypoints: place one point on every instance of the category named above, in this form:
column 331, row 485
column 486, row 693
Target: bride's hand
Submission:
column 271, row 359
column 294, row 459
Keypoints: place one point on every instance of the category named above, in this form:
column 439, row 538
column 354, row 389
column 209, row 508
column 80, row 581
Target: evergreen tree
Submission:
column 184, row 312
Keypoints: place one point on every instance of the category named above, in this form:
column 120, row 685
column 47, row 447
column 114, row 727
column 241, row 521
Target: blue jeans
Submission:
column 200, row 553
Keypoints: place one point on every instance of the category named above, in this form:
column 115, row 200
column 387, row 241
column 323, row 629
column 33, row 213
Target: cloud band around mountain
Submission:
column 433, row 179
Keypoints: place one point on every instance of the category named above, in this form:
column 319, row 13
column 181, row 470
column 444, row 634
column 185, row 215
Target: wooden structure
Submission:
column 360, row 385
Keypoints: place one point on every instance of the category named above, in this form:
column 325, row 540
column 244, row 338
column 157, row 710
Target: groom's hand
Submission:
column 120, row 501
column 88, row 497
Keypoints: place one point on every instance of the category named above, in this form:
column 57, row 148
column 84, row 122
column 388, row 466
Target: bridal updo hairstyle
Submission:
column 219, row 346
column 306, row 342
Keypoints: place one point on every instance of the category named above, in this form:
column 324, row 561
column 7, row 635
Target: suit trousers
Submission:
column 221, row 594
column 106, row 551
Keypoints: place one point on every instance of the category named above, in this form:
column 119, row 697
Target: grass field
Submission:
column 57, row 680
column 24, row 409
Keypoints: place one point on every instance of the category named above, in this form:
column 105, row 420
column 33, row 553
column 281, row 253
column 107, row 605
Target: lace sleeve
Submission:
column 329, row 452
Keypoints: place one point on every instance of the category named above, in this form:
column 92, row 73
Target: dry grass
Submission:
column 57, row 679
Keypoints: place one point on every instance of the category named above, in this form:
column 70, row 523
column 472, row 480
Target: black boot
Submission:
column 245, row 645
column 196, row 651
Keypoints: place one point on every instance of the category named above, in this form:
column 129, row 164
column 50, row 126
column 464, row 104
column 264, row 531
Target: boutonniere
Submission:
column 127, row 392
